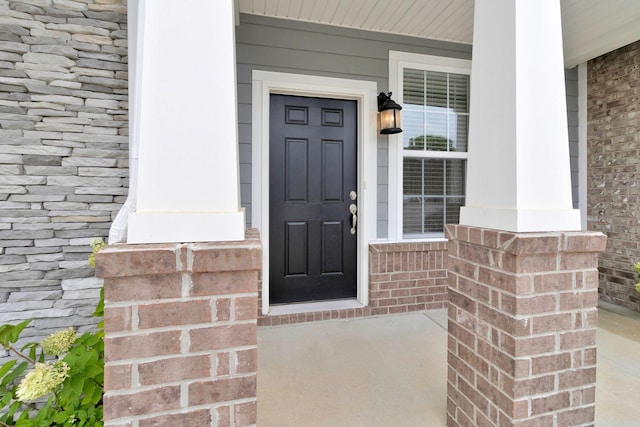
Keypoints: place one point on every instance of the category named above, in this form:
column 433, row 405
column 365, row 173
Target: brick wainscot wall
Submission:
column 180, row 333
column 403, row 277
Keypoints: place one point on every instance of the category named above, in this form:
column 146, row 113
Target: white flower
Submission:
column 43, row 379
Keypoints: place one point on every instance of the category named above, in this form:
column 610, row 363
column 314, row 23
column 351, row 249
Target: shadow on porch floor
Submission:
column 391, row 371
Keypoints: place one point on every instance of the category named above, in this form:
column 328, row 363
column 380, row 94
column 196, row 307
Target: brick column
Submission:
column 180, row 333
column 522, row 327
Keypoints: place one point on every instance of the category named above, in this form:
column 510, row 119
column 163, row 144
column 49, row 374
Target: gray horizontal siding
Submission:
column 303, row 48
column 571, row 83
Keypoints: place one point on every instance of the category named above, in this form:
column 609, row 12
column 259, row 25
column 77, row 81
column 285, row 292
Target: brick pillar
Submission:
column 180, row 333
column 522, row 327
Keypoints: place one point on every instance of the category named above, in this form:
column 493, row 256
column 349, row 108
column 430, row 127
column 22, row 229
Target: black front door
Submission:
column 313, row 183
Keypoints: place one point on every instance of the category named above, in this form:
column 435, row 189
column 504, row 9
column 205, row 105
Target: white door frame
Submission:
column 264, row 83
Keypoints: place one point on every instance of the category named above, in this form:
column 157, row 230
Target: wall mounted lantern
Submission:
column 389, row 114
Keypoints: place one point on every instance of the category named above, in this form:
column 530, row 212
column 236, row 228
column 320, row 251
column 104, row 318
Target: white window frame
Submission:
column 398, row 61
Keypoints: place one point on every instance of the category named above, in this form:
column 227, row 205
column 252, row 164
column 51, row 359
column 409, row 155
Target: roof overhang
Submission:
column 590, row 27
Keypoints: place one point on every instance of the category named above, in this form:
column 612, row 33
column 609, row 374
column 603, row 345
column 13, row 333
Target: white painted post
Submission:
column 518, row 176
column 186, row 124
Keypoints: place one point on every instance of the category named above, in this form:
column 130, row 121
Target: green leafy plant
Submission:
column 636, row 267
column 67, row 370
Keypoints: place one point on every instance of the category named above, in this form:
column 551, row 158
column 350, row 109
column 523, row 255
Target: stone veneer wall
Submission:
column 403, row 277
column 63, row 153
column 613, row 179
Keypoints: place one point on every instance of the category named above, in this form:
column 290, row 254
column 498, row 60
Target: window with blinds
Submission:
column 435, row 118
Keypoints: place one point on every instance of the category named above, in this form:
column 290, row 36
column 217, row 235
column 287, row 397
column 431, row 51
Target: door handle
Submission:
column 354, row 218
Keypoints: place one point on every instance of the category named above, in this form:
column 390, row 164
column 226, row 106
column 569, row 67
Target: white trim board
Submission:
column 265, row 83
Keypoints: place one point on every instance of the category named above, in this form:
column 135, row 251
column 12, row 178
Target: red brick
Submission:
column 495, row 395
column 475, row 253
column 174, row 369
column 524, row 387
column 478, row 364
column 462, row 301
column 117, row 319
column 529, row 263
column 461, row 333
column 579, row 299
column 575, row 417
column 223, row 364
column 245, row 413
column 141, row 345
column 224, row 283
column 214, row 258
column 535, row 345
column 136, row 260
column 221, row 337
column 247, row 361
column 585, row 242
column 509, row 324
column 578, row 339
column 117, row 377
column 550, row 363
column 224, row 390
column 551, row 323
column 173, row 314
column 201, row 417
column 578, row 261
column 536, row 304
column 246, row 308
column 553, row 282
column 504, row 280
column 551, row 403
column 143, row 288
column 529, row 244
column 223, row 416
column 223, row 309
column 577, row 378
column 141, row 402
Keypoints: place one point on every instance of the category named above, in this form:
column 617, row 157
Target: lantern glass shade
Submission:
column 390, row 121
column 389, row 114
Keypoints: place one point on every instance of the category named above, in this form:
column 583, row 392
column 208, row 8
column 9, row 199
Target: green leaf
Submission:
column 32, row 348
column 76, row 383
column 88, row 389
column 100, row 307
column 14, row 334
column 17, row 371
column 7, row 366
column 93, row 371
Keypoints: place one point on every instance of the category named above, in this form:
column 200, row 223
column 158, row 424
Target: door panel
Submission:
column 313, row 168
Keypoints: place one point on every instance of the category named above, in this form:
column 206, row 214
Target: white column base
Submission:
column 178, row 227
column 521, row 220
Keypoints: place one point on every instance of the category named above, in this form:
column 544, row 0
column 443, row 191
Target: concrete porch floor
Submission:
column 392, row 371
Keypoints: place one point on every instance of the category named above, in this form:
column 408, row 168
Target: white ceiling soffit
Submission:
column 590, row 27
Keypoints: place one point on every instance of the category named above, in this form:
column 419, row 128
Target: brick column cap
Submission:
column 125, row 260
column 529, row 243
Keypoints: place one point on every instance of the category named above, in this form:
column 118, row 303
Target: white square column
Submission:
column 185, row 123
column 518, row 176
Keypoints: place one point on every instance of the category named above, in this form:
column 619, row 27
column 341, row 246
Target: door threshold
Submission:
column 311, row 307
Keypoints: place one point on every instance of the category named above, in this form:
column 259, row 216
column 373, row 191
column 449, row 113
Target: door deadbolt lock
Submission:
column 353, row 195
